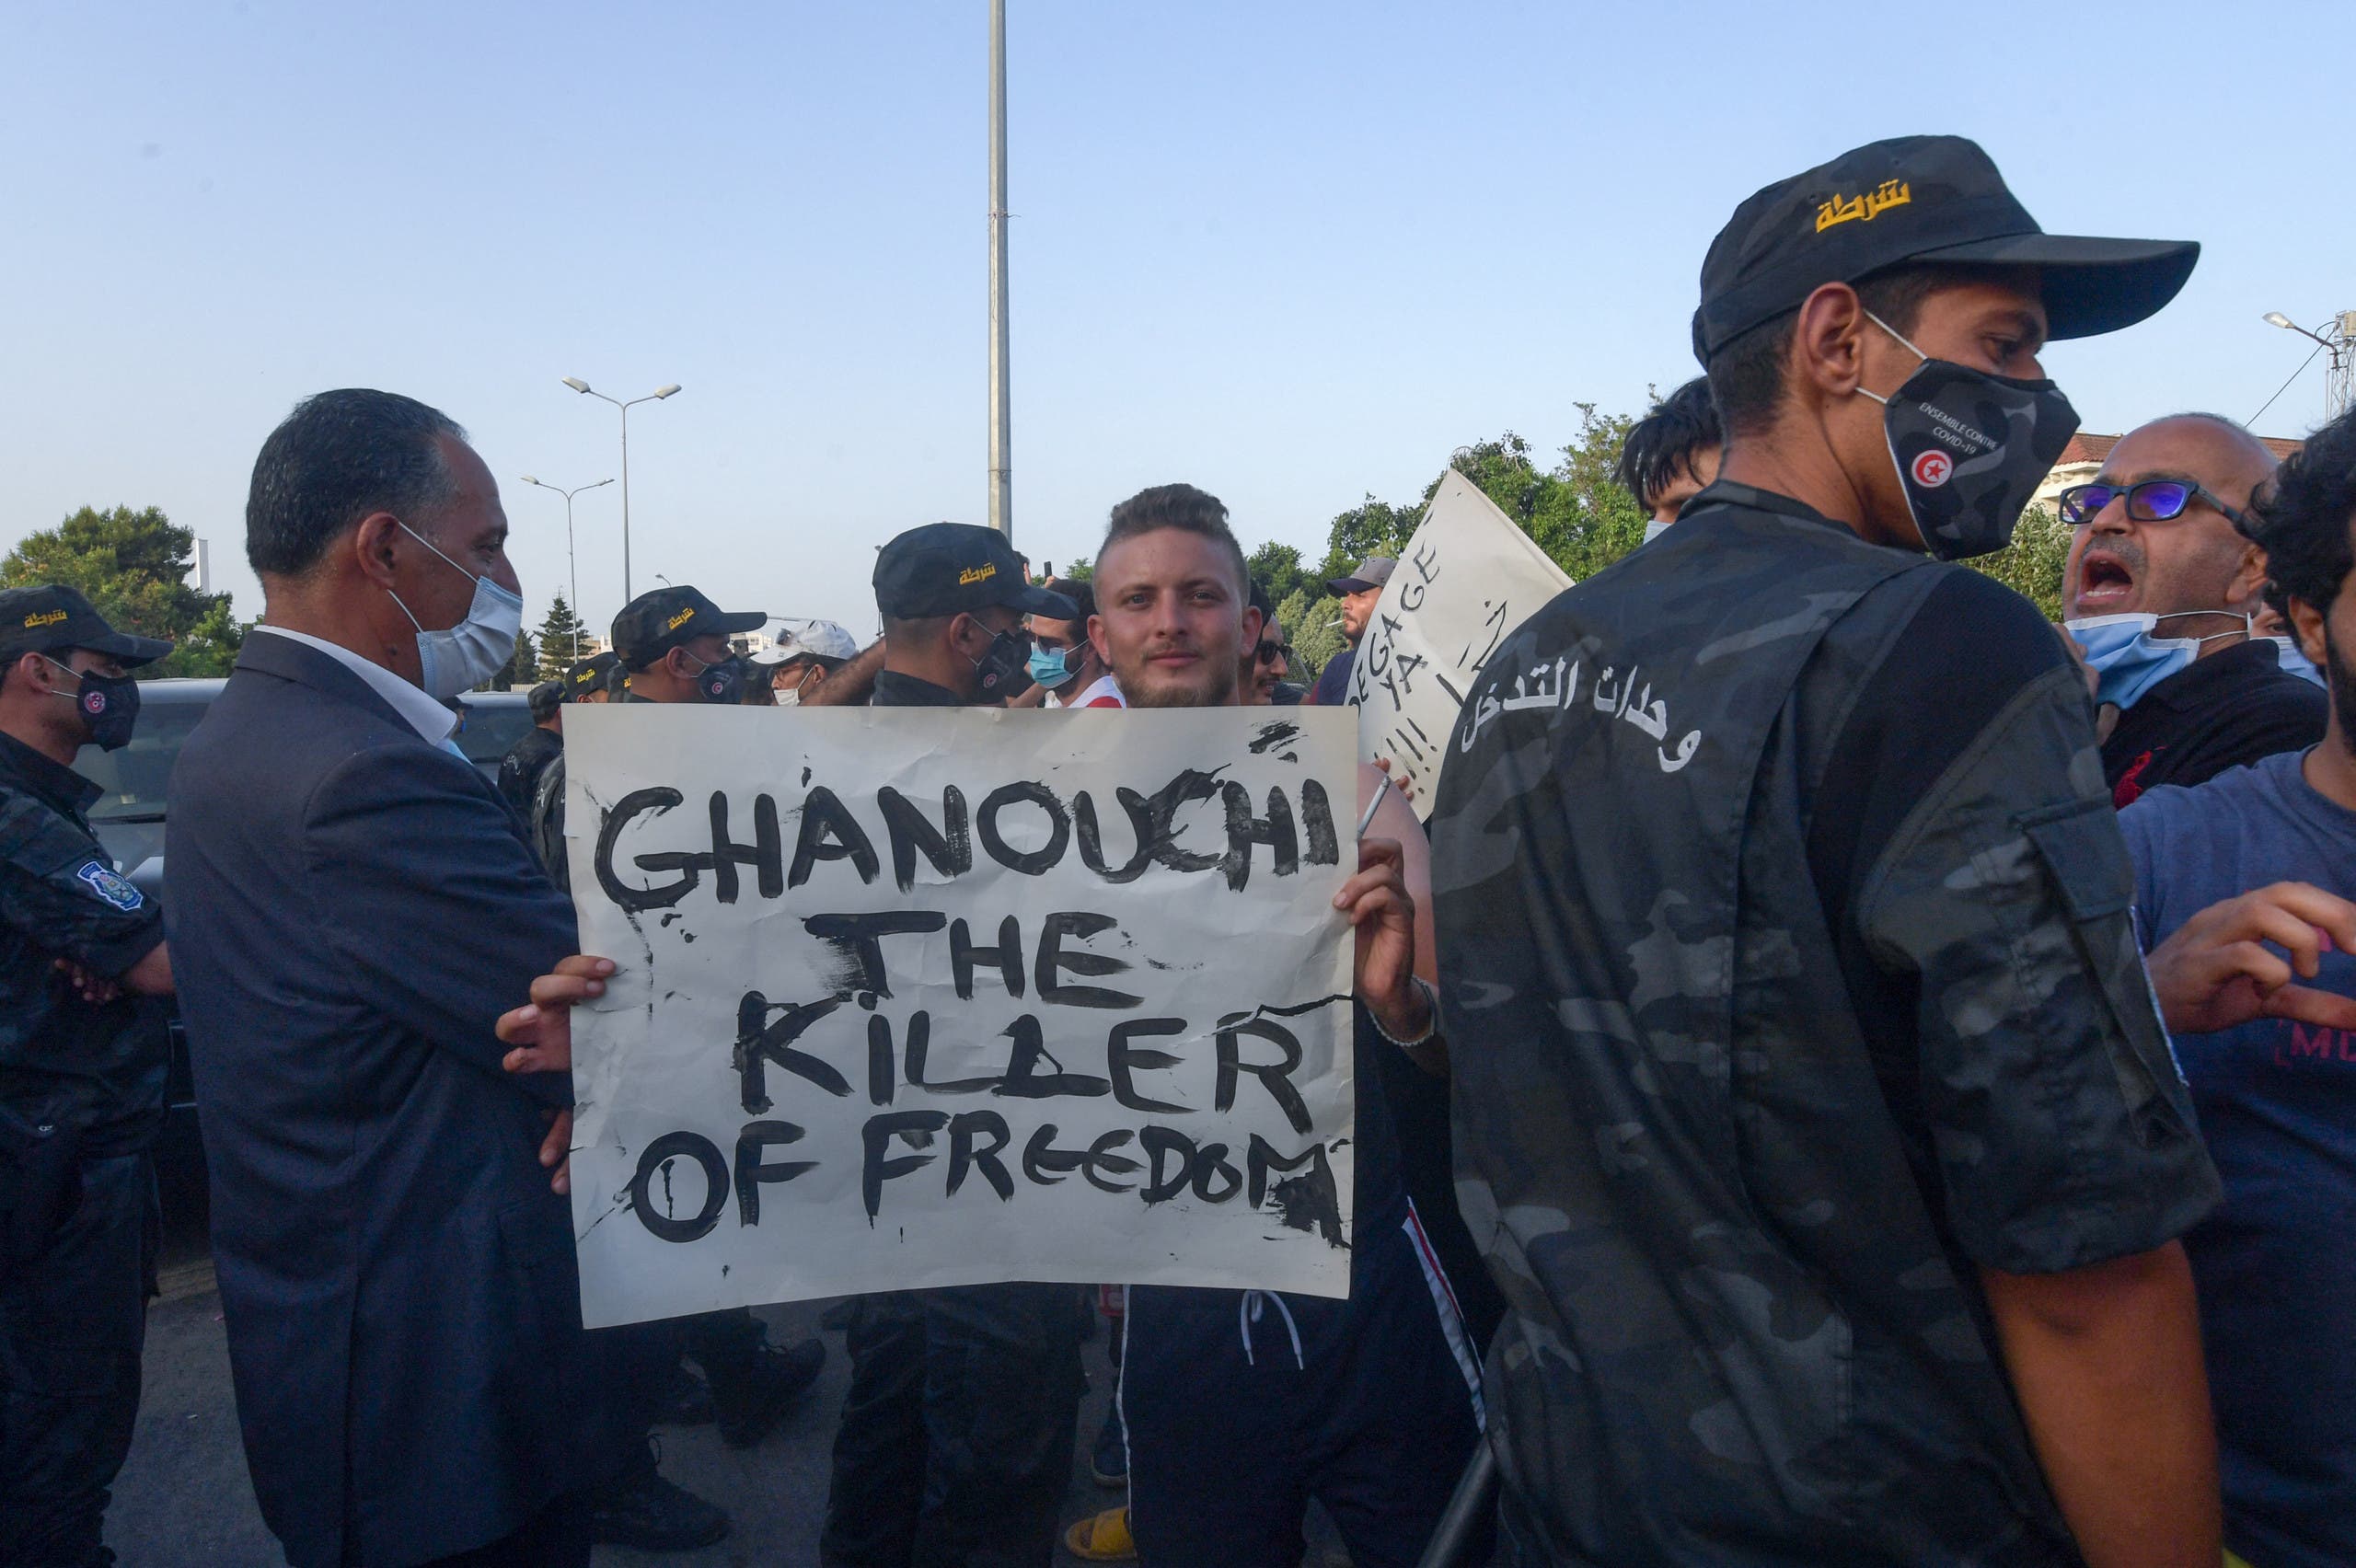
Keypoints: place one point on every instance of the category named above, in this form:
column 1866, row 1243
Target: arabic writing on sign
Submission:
column 1860, row 209
column 1554, row 687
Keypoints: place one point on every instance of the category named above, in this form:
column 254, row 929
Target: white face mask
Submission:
column 471, row 652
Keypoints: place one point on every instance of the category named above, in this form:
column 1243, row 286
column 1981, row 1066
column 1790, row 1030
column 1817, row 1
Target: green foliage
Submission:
column 1080, row 571
column 523, row 667
column 561, row 633
column 1309, row 614
column 134, row 567
column 1371, row 527
column 1278, row 570
column 2032, row 564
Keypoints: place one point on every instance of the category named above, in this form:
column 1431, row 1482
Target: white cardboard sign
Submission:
column 926, row 997
column 1467, row 579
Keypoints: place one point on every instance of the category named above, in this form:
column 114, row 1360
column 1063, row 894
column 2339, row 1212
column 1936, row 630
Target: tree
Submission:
column 2033, row 563
column 523, row 667
column 134, row 567
column 1278, row 571
column 1080, row 571
column 560, row 639
column 1313, row 617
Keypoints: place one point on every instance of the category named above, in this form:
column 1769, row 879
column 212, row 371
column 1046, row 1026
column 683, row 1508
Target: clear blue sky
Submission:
column 1293, row 253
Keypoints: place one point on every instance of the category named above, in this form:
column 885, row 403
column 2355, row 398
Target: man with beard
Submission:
column 1360, row 592
column 1376, row 1413
column 2161, row 590
column 2222, row 868
column 1819, row 1128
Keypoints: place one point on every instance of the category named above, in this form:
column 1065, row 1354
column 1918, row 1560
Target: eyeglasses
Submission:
column 2153, row 501
column 1269, row 652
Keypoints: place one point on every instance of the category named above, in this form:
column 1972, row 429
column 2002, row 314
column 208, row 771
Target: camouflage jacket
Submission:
column 1738, row 1224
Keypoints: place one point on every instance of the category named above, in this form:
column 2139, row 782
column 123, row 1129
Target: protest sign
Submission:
column 923, row 996
column 1466, row 580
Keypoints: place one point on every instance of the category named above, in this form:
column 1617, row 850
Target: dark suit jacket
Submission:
column 350, row 910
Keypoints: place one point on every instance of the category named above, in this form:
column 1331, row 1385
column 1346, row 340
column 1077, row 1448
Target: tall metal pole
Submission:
column 1001, row 418
column 627, row 595
column 656, row 395
column 2340, row 388
column 571, row 561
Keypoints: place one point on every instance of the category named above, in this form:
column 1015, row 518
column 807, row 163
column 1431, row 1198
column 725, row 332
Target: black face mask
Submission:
column 109, row 705
column 722, row 683
column 1004, row 668
column 1972, row 449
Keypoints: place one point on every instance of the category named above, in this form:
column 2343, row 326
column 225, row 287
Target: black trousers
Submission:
column 557, row 1537
column 645, row 1361
column 956, row 1441
column 73, row 1322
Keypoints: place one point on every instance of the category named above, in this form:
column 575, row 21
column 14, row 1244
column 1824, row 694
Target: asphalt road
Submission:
column 184, row 1501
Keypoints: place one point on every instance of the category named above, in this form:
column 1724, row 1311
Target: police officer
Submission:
column 82, row 1061
column 958, row 1433
column 1821, row 1133
column 672, row 645
column 520, row 769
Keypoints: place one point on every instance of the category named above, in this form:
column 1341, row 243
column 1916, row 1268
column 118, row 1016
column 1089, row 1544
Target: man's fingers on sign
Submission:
column 542, row 1030
column 2218, row 969
column 1375, row 900
column 556, row 1152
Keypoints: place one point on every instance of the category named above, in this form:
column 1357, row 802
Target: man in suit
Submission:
column 350, row 906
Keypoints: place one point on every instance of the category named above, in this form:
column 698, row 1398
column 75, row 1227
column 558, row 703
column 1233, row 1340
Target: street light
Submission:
column 661, row 392
column 572, row 569
column 2339, row 385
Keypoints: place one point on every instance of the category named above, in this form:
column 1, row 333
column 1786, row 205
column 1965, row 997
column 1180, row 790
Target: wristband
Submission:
column 1431, row 1025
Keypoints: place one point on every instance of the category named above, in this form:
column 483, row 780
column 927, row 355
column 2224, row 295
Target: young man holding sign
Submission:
column 1376, row 1413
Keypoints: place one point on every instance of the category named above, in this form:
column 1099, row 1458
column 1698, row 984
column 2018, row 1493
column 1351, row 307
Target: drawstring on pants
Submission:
column 1247, row 1312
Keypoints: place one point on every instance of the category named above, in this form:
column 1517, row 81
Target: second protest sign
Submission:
column 914, row 998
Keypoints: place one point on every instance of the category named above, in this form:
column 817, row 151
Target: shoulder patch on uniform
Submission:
column 110, row 886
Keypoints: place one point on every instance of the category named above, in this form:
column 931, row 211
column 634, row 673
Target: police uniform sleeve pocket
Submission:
column 2085, row 856
column 2089, row 865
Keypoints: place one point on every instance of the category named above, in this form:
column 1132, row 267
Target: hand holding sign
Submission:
column 542, row 1032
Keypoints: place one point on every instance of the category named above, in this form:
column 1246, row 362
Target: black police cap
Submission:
column 653, row 624
column 1923, row 199
column 943, row 568
column 588, row 677
column 35, row 620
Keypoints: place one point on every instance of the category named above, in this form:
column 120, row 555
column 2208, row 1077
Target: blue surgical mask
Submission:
column 1049, row 668
column 2129, row 658
column 456, row 658
column 2287, row 654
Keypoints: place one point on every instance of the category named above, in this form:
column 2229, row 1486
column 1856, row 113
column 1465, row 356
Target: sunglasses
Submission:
column 2153, row 501
column 1269, row 652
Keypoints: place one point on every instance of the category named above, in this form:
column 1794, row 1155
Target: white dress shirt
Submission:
column 432, row 721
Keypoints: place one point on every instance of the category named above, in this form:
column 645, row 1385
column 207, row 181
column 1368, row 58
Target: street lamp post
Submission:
column 661, row 392
column 572, row 568
column 2339, row 384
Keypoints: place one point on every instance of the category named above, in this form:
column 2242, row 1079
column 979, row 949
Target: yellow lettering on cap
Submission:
column 973, row 574
column 51, row 618
column 682, row 618
column 1865, row 208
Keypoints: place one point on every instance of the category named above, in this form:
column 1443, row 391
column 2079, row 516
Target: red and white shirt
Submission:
column 1101, row 692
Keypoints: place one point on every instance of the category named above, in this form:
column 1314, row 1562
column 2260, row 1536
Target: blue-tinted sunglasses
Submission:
column 2154, row 501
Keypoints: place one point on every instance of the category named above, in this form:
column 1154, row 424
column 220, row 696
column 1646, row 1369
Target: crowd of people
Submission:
column 1914, row 1122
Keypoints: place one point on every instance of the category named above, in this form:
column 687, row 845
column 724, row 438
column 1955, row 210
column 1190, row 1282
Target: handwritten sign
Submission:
column 1467, row 579
column 918, row 996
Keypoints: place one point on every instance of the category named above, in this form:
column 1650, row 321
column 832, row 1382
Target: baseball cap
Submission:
column 34, row 620
column 544, row 699
column 816, row 640
column 943, row 568
column 1926, row 198
column 1372, row 573
column 588, row 677
column 653, row 624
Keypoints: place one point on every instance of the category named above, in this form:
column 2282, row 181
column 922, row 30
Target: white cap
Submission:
column 824, row 638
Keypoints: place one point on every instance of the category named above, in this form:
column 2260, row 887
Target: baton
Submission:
column 1454, row 1535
